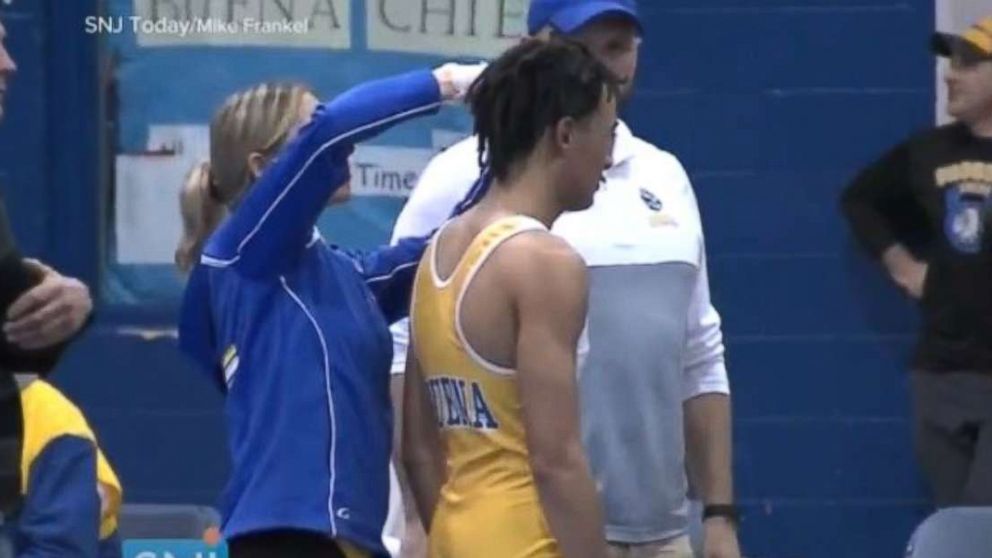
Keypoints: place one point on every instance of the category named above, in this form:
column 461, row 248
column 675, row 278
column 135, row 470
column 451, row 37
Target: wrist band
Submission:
column 726, row 511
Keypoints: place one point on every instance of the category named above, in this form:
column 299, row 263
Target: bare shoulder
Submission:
column 539, row 262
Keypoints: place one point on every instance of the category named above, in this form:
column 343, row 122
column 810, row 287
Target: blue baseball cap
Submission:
column 567, row 16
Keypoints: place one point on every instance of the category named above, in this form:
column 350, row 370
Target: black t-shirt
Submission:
column 15, row 280
column 13, row 277
column 933, row 193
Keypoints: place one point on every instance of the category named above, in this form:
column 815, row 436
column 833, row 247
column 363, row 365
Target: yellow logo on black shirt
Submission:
column 965, row 172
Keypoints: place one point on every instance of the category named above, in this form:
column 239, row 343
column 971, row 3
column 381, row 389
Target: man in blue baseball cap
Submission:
column 568, row 16
column 654, row 390
column 610, row 29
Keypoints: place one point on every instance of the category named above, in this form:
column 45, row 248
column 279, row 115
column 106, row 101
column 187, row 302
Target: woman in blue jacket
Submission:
column 292, row 329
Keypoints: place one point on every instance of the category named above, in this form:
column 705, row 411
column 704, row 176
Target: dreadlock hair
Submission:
column 529, row 89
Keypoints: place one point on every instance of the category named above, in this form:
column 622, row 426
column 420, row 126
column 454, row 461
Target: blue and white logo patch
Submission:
column 963, row 222
column 650, row 200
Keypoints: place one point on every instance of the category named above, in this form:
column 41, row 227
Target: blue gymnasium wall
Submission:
column 770, row 104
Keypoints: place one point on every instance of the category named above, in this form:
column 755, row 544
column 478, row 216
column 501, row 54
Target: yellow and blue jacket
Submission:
column 72, row 496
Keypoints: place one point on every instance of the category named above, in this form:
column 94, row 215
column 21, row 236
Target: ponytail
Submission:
column 255, row 120
column 201, row 213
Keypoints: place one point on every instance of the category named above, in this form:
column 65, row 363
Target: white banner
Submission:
column 276, row 23
column 481, row 28
column 386, row 170
column 147, row 222
column 147, row 219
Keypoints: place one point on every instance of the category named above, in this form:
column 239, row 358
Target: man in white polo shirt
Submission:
column 655, row 393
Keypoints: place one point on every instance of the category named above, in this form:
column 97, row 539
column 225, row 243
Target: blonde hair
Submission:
column 256, row 120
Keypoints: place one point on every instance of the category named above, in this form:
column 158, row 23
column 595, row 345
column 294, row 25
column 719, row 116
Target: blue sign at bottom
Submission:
column 161, row 548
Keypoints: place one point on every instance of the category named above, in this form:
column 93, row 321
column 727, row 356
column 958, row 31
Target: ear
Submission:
column 256, row 164
column 564, row 132
column 545, row 34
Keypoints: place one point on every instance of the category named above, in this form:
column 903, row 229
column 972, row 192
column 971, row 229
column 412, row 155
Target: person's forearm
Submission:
column 36, row 361
column 572, row 509
column 16, row 278
column 897, row 260
column 708, row 447
column 414, row 533
column 42, row 320
column 389, row 273
column 425, row 474
column 413, row 530
column 869, row 226
column 873, row 195
column 275, row 220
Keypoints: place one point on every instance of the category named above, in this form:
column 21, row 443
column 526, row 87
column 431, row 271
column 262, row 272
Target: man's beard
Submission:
column 624, row 94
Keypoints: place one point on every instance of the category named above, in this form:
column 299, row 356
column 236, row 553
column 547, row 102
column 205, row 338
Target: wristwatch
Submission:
column 726, row 511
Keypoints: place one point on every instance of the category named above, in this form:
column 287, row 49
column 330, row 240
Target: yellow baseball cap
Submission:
column 975, row 44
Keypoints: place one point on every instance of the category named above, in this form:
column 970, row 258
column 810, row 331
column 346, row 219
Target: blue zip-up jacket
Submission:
column 295, row 331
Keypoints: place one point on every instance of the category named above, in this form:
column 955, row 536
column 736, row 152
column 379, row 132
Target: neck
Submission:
column 527, row 192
